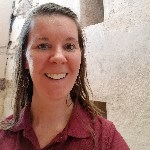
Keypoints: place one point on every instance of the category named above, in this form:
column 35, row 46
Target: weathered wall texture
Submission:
column 5, row 13
column 18, row 12
column 118, row 59
column 118, row 52
column 92, row 12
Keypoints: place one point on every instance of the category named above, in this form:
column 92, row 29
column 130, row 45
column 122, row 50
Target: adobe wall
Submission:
column 6, row 11
column 118, row 52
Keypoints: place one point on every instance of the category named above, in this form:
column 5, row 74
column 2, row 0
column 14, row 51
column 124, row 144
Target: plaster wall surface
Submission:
column 118, row 59
column 14, row 13
column 131, row 11
column 2, row 97
column 6, row 11
column 92, row 12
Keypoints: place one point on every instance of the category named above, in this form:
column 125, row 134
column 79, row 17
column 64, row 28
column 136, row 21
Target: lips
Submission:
column 56, row 76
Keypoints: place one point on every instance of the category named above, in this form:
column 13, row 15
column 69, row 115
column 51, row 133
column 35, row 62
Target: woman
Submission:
column 52, row 108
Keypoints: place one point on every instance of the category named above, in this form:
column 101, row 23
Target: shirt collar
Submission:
column 24, row 121
column 78, row 126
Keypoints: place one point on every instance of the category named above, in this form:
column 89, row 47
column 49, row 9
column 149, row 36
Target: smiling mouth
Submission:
column 56, row 76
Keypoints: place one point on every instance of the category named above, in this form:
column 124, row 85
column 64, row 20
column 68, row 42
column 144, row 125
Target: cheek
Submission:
column 33, row 62
column 76, row 61
column 38, row 66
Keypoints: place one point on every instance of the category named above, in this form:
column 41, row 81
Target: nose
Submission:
column 58, row 57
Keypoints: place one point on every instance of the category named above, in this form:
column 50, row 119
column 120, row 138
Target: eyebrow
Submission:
column 47, row 39
column 41, row 39
column 71, row 39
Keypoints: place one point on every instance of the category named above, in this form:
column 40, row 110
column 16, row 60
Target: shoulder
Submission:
column 2, row 134
column 7, row 137
column 106, row 126
column 108, row 135
column 4, row 127
column 103, row 131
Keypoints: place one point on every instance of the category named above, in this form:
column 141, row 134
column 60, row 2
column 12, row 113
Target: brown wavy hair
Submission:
column 24, row 84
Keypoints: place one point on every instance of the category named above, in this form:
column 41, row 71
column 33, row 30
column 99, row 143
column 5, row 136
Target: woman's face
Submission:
column 53, row 56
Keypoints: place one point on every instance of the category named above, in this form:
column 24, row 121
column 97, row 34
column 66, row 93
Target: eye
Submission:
column 69, row 47
column 43, row 46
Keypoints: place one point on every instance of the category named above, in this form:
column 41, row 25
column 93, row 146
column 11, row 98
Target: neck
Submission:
column 53, row 112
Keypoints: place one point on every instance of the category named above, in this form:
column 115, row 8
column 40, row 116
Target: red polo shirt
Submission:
column 81, row 133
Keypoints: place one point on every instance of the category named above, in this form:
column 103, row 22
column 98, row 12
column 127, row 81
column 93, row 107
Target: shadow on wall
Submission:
column 92, row 12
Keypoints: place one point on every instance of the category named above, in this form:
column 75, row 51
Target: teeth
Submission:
column 56, row 76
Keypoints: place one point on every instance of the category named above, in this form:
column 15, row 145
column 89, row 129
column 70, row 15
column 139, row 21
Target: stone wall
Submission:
column 118, row 52
column 6, row 11
column 118, row 58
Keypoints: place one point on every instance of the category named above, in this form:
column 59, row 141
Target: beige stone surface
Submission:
column 119, row 67
column 2, row 97
column 5, row 12
column 9, row 76
column 3, row 60
column 92, row 12
column 9, row 99
column 118, row 54
column 127, row 11
column 14, row 35
column 22, row 7
column 3, row 50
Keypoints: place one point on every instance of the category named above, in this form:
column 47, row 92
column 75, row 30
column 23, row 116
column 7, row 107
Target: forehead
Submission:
column 54, row 23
